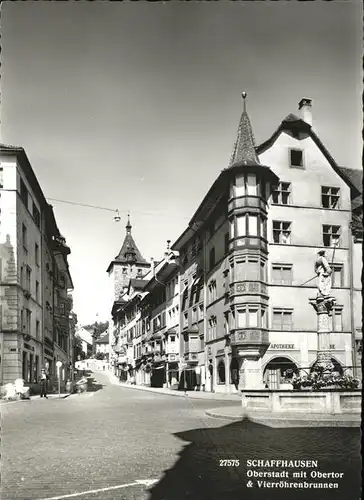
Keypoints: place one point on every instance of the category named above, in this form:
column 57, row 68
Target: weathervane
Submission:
column 244, row 96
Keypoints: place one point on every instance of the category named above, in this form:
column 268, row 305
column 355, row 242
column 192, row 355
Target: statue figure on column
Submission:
column 323, row 271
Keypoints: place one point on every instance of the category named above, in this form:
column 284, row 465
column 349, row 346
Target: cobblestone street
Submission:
column 111, row 438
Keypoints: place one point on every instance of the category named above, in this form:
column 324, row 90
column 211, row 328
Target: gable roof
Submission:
column 294, row 124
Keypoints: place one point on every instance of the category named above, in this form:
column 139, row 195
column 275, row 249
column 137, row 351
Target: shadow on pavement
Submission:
column 198, row 474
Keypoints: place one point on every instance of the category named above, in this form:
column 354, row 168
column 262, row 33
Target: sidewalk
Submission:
column 182, row 394
column 34, row 398
column 235, row 414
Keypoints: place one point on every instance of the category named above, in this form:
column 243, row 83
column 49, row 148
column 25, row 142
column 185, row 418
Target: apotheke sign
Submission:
column 282, row 346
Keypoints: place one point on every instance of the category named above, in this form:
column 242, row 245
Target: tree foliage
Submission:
column 97, row 329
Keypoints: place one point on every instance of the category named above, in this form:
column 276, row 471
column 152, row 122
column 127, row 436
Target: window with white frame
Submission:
column 282, row 319
column 24, row 237
column 212, row 291
column 337, row 275
column 212, row 327
column 337, row 320
column 184, row 295
column 232, row 228
column 241, row 319
column 201, row 315
column 194, row 315
column 185, row 320
column 281, row 193
column 251, row 185
column 37, row 291
column 252, row 269
column 240, row 225
column 226, row 323
column 36, row 254
column 282, row 274
column 28, row 278
column 330, row 197
column 264, row 323
column 239, row 185
column 282, row 232
column 252, row 225
column 331, row 235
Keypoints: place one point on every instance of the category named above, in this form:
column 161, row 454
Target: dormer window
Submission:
column 296, row 158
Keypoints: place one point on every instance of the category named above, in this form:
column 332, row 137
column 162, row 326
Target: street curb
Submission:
column 280, row 421
column 179, row 394
column 4, row 402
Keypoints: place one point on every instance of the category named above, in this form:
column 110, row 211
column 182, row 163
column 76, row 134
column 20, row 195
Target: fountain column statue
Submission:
column 323, row 304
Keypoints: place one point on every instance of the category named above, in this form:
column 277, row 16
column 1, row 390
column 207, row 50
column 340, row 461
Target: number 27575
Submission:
column 229, row 463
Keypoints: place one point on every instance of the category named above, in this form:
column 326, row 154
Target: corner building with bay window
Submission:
column 247, row 258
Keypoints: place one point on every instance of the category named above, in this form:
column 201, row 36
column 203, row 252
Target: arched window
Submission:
column 221, row 372
column 279, row 371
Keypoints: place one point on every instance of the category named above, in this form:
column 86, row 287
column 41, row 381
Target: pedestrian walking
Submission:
column 43, row 384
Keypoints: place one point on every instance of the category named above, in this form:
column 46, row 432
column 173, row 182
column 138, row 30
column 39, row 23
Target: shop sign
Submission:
column 282, row 346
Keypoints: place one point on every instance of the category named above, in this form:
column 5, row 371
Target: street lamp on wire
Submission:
column 117, row 217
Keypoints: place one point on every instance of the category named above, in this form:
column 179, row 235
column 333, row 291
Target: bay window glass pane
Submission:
column 232, row 228
column 251, row 185
column 239, row 185
column 252, row 270
column 241, row 318
column 262, row 271
column 253, row 225
column 253, row 318
column 240, row 225
column 264, row 318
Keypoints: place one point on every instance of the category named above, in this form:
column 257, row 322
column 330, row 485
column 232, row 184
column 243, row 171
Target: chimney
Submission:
column 305, row 106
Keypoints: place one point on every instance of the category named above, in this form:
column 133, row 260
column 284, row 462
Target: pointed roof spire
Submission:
column 244, row 147
column 128, row 225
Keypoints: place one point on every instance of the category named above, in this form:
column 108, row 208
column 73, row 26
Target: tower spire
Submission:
column 128, row 225
column 244, row 147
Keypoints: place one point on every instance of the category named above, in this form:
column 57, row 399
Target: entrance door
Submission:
column 273, row 381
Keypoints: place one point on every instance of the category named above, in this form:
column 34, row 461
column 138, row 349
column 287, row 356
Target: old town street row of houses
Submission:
column 35, row 280
column 228, row 306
